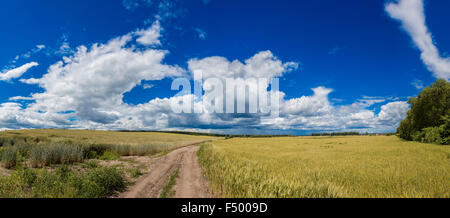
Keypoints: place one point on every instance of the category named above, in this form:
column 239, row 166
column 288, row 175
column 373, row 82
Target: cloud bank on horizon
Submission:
column 86, row 88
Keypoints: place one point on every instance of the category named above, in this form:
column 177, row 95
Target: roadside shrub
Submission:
column 432, row 135
column 62, row 183
column 435, row 135
column 52, row 185
column 94, row 150
column 99, row 182
column 109, row 155
column 417, row 136
column 17, row 185
column 9, row 157
column 63, row 172
column 91, row 164
column 28, row 176
column 445, row 130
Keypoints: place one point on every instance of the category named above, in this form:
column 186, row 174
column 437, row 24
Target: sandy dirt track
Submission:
column 190, row 183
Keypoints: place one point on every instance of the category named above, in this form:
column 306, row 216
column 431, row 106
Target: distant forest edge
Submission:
column 428, row 120
column 348, row 134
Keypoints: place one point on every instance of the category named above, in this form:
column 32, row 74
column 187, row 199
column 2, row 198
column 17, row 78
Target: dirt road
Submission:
column 190, row 183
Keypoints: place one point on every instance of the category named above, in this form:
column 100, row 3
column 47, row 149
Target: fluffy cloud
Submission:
column 92, row 81
column 89, row 85
column 393, row 113
column 16, row 72
column 317, row 113
column 18, row 98
column 150, row 36
column 412, row 17
column 262, row 65
column 30, row 81
column 308, row 105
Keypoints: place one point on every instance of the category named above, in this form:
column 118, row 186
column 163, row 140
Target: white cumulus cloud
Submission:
column 151, row 35
column 393, row 113
column 309, row 105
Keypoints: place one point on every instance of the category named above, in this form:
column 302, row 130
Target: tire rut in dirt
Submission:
column 160, row 169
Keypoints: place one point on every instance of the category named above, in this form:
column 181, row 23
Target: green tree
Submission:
column 428, row 120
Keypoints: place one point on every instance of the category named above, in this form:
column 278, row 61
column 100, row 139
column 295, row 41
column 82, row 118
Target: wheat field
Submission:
column 326, row 167
column 109, row 137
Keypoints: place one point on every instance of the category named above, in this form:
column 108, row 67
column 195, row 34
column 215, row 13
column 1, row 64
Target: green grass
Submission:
column 135, row 172
column 109, row 155
column 90, row 164
column 168, row 191
column 326, row 167
column 98, row 182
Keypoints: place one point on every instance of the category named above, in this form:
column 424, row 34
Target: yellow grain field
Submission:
column 351, row 166
column 109, row 137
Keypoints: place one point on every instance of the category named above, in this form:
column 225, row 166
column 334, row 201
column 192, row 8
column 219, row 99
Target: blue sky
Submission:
column 370, row 58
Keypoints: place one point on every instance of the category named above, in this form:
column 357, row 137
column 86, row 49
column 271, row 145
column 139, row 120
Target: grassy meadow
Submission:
column 65, row 163
column 323, row 167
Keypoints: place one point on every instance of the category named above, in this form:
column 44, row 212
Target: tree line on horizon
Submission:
column 335, row 133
